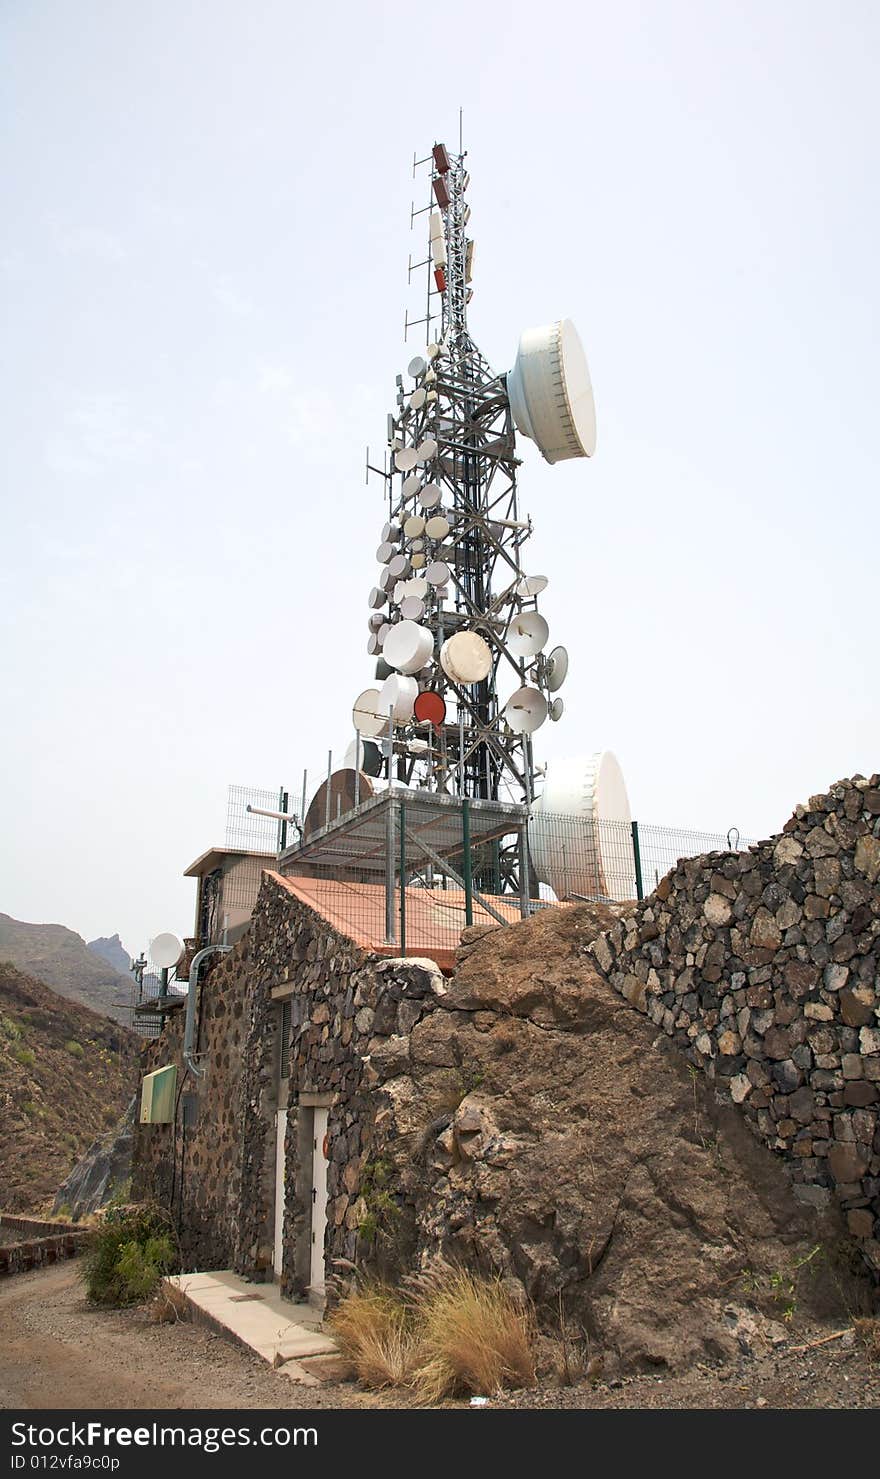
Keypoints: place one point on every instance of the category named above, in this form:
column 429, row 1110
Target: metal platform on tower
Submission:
column 358, row 842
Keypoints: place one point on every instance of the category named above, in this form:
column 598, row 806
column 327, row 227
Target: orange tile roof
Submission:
column 435, row 918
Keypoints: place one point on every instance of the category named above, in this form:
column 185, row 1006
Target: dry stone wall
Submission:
column 217, row 1172
column 194, row 1168
column 763, row 967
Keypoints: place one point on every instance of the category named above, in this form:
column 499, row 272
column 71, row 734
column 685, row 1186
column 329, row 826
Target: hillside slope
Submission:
column 63, row 961
column 66, row 1074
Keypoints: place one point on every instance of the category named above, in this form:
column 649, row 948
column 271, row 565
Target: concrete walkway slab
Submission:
column 255, row 1316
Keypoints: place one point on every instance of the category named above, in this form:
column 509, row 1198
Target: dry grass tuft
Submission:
column 868, row 1332
column 451, row 1334
column 169, row 1306
column 473, row 1337
column 374, row 1331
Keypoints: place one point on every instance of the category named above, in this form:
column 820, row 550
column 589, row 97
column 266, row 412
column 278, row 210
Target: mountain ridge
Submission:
column 62, row 960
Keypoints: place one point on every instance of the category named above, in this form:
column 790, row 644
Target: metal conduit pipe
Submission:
column 189, row 1031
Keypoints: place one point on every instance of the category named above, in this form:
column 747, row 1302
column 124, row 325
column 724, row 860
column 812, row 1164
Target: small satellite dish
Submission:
column 550, row 392
column 527, row 634
column 386, row 579
column 416, row 545
column 414, row 526
column 398, row 693
column 430, row 708
column 385, row 551
column 426, row 451
column 370, row 757
column 557, row 668
column 382, row 633
column 466, row 658
column 415, row 586
column 366, row 714
column 557, row 709
column 399, row 567
column 437, row 573
column 418, row 560
column 412, row 608
column 430, row 495
column 376, row 620
column 408, row 646
column 377, row 598
column 416, row 367
column 406, row 459
column 531, row 585
column 418, row 398
column 411, row 485
column 526, row 710
column 390, row 531
column 165, row 951
column 432, row 351
column 437, row 527
column 372, row 645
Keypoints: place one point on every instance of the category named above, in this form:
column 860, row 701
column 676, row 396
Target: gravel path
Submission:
column 56, row 1351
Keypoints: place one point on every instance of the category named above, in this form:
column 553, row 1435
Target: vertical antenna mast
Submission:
column 453, row 622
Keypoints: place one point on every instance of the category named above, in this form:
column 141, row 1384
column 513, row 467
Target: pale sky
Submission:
column 204, row 272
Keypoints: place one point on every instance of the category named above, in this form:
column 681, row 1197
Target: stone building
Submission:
column 266, row 1163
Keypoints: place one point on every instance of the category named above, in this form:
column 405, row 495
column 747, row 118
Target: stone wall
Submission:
column 217, row 1172
column 763, row 967
column 26, row 1243
column 195, row 1168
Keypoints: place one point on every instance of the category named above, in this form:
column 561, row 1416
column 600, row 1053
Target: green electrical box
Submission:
column 157, row 1096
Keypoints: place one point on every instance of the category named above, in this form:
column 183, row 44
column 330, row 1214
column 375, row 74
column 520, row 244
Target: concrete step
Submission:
column 255, row 1316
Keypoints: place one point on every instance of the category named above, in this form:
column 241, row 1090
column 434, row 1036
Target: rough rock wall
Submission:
column 103, row 1172
column 534, row 1125
column 763, row 967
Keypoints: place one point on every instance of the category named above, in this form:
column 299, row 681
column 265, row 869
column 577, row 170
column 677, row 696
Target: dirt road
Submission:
column 56, row 1351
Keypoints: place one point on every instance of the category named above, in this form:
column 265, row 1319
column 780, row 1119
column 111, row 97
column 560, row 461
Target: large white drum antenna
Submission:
column 550, row 392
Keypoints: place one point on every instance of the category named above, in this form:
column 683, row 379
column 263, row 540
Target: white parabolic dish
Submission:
column 580, row 835
column 551, row 396
column 466, row 658
column 165, row 951
column 399, row 693
column 366, row 714
column 408, row 646
column 526, row 710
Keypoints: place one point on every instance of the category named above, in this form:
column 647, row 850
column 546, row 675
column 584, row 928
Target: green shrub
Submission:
column 128, row 1254
column 141, row 1268
column 74, row 1048
column 25, row 1056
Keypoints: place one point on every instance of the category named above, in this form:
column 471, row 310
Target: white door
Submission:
column 319, row 1198
column 280, row 1137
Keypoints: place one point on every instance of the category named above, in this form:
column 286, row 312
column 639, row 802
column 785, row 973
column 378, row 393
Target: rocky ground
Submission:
column 55, row 1351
